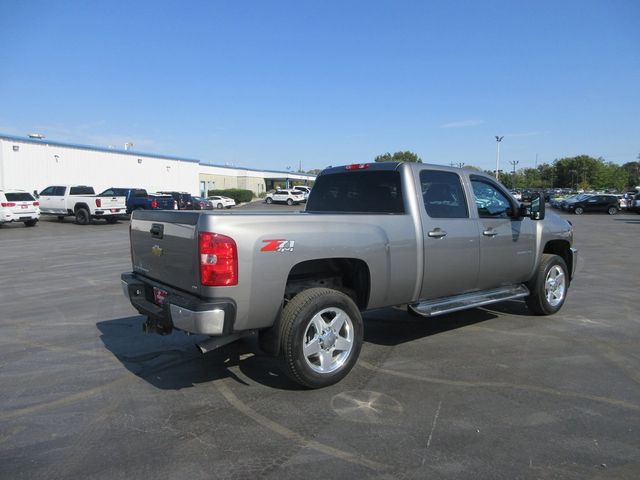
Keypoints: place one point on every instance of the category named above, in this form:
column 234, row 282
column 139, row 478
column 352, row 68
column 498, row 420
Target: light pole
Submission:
column 513, row 177
column 498, row 140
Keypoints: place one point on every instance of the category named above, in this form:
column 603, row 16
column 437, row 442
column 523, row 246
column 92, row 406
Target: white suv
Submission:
column 289, row 197
column 18, row 206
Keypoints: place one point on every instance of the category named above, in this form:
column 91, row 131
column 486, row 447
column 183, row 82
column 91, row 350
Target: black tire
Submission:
column 547, row 298
column 578, row 211
column 612, row 210
column 289, row 202
column 30, row 223
column 298, row 323
column 60, row 218
column 219, row 206
column 83, row 217
column 111, row 219
column 269, row 200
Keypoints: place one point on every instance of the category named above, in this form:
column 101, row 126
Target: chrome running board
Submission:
column 440, row 306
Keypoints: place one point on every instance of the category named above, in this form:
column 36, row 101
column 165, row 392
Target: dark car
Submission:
column 139, row 199
column 183, row 199
column 595, row 203
column 200, row 203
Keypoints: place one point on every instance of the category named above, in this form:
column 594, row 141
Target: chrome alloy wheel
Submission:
column 328, row 340
column 555, row 286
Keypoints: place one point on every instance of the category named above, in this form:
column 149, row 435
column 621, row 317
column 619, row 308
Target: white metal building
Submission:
column 33, row 164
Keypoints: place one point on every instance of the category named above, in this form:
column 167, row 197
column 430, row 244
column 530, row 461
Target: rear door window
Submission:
column 443, row 194
column 358, row 192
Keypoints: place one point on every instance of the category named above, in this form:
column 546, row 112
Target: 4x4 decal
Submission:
column 280, row 246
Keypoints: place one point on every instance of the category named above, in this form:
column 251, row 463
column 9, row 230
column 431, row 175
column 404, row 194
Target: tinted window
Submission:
column 81, row 191
column 19, row 197
column 47, row 191
column 358, row 192
column 490, row 201
column 443, row 195
column 139, row 193
column 58, row 191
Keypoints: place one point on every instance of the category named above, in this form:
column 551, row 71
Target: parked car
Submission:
column 220, row 202
column 304, row 189
column 200, row 203
column 139, row 199
column 634, row 203
column 82, row 202
column 290, row 197
column 434, row 238
column 18, row 206
column 184, row 201
column 517, row 194
column 595, row 203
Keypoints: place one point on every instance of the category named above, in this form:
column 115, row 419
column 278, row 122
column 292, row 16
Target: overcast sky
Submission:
column 277, row 84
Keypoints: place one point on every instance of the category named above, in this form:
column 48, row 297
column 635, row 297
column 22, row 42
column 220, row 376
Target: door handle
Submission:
column 489, row 232
column 437, row 233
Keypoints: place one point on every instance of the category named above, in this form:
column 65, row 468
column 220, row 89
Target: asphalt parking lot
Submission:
column 489, row 393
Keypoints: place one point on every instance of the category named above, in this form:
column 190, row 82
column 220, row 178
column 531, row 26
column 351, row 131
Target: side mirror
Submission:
column 536, row 209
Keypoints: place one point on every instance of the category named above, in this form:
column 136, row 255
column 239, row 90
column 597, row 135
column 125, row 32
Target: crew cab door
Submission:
column 52, row 200
column 450, row 235
column 507, row 243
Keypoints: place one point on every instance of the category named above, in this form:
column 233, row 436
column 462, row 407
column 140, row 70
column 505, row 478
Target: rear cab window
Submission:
column 358, row 192
column 19, row 197
column 82, row 190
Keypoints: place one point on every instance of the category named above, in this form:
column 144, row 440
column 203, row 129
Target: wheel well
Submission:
column 81, row 205
column 560, row 248
column 348, row 275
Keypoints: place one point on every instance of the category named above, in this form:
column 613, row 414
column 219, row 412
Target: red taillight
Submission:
column 357, row 166
column 98, row 202
column 154, row 204
column 8, row 204
column 218, row 260
column 36, row 204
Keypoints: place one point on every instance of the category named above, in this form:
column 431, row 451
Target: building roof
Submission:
column 135, row 153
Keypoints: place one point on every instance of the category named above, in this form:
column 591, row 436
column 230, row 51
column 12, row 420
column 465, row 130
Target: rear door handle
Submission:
column 489, row 232
column 437, row 233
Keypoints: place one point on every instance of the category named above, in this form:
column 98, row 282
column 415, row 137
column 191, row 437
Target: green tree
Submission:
column 399, row 157
column 633, row 173
column 314, row 171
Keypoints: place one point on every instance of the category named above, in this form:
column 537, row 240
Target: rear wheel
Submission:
column 321, row 337
column 549, row 287
column 579, row 211
column 612, row 210
column 219, row 206
column 83, row 217
column 111, row 219
column 289, row 202
column 30, row 223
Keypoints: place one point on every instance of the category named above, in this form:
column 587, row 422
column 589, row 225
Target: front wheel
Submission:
column 321, row 337
column 612, row 210
column 579, row 211
column 289, row 202
column 549, row 286
column 219, row 206
column 269, row 200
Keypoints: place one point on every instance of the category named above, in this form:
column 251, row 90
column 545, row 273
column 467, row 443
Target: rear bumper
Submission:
column 8, row 217
column 180, row 310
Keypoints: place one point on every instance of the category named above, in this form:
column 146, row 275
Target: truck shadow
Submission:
column 172, row 362
column 395, row 326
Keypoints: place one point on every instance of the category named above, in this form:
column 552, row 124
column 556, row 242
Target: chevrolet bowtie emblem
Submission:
column 156, row 250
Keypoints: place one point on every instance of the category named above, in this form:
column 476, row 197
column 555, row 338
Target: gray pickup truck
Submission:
column 434, row 238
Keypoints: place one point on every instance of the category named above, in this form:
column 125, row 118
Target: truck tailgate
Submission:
column 112, row 203
column 164, row 247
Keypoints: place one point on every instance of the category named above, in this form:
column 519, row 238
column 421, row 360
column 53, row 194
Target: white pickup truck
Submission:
column 81, row 202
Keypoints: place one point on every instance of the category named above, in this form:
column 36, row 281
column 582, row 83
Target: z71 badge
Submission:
column 280, row 246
